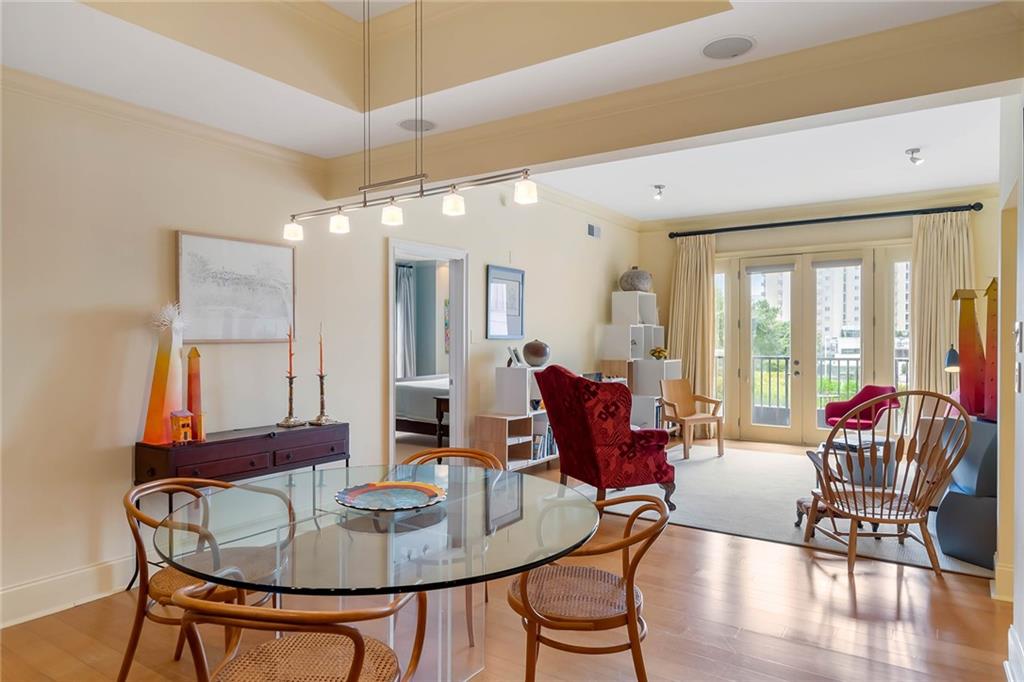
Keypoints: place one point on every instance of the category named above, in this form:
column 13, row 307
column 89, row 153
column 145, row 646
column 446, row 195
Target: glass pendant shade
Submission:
column 453, row 204
column 340, row 224
column 293, row 232
column 391, row 215
column 525, row 192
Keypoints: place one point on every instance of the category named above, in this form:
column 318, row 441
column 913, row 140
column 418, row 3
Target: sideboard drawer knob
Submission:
column 288, row 456
column 195, row 472
column 252, row 462
column 272, row 434
column 332, row 448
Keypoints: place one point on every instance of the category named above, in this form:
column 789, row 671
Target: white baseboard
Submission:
column 1014, row 665
column 43, row 596
column 1001, row 586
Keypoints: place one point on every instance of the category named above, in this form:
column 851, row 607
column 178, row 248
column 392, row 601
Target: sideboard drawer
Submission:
column 223, row 468
column 304, row 454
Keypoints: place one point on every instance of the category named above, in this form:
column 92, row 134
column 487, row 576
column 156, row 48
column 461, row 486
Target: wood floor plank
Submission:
column 719, row 608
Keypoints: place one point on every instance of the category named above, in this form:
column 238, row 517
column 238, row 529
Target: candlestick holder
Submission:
column 322, row 419
column 290, row 421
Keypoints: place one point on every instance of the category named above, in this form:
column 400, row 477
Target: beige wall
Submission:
column 93, row 194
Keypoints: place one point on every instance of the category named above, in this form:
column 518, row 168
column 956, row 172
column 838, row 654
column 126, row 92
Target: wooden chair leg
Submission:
column 180, row 646
column 469, row 615
column 133, row 638
column 851, row 554
column 531, row 651
column 926, row 538
column 812, row 518
column 669, row 488
column 902, row 530
column 563, row 479
column 634, row 649
column 687, row 430
column 721, row 441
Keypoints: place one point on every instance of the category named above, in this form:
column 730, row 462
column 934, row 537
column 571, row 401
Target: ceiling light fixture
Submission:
column 728, row 47
column 525, row 190
column 391, row 215
column 293, row 231
column 913, row 154
column 658, row 191
column 453, row 204
column 340, row 224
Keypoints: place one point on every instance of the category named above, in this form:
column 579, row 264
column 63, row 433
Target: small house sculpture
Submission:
column 181, row 426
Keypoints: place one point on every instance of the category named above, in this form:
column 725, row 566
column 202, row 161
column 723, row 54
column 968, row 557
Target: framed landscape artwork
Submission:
column 232, row 290
column 504, row 302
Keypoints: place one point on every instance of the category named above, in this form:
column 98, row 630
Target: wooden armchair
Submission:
column 327, row 649
column 484, row 459
column 892, row 472
column 679, row 406
column 157, row 589
column 584, row 599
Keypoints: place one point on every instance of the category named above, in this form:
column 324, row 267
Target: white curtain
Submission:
column 405, row 322
column 942, row 262
column 691, row 317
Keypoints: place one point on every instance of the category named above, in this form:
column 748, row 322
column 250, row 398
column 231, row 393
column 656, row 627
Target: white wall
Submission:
column 93, row 193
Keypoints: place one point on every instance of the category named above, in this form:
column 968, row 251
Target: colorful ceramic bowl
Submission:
column 390, row 496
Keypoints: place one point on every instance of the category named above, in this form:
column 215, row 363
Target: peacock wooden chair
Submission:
column 679, row 407
column 892, row 473
column 326, row 648
column 156, row 590
column 484, row 459
column 579, row 598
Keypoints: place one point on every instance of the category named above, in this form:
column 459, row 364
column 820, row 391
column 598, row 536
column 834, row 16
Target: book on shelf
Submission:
column 544, row 444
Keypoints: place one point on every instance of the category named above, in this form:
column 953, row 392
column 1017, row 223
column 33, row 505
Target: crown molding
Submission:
column 319, row 12
column 21, row 82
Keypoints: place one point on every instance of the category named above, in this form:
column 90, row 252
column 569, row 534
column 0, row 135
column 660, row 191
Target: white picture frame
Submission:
column 234, row 290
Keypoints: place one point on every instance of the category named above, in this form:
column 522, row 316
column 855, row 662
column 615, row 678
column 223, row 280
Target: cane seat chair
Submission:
column 325, row 648
column 156, row 589
column 564, row 597
column 892, row 473
column 484, row 459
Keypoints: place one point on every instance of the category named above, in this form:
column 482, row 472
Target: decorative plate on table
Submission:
column 390, row 495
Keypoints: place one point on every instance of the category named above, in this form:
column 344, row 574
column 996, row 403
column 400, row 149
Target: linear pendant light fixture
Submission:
column 453, row 203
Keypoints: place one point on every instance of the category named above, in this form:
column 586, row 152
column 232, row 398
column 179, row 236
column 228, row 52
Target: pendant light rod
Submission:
column 413, row 194
column 397, row 182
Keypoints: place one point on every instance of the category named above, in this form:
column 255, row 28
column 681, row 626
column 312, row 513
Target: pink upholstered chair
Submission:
column 596, row 445
column 868, row 418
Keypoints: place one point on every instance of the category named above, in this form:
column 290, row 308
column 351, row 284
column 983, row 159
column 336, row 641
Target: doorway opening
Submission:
column 427, row 349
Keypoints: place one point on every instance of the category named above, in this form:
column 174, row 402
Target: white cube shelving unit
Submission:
column 629, row 341
column 634, row 307
column 646, row 375
column 508, row 433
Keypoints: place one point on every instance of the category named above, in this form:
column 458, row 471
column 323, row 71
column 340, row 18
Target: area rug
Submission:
column 753, row 494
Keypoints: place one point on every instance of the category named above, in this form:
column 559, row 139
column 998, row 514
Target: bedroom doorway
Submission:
column 428, row 342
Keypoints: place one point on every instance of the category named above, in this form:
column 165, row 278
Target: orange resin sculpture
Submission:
column 195, row 395
column 165, row 393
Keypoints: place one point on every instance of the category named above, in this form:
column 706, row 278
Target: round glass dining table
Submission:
column 288, row 534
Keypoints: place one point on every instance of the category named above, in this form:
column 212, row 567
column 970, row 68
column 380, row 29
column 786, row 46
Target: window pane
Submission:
column 719, row 389
column 901, row 325
column 837, row 335
column 771, row 347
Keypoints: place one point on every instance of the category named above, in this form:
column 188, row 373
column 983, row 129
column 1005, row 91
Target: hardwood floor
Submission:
column 719, row 607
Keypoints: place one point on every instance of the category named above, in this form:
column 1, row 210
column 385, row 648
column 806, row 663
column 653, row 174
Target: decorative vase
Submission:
column 536, row 353
column 165, row 393
column 636, row 279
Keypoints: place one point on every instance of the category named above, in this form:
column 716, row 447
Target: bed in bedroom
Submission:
column 421, row 406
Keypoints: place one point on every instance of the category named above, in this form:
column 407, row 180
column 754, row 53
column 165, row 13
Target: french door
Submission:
column 805, row 338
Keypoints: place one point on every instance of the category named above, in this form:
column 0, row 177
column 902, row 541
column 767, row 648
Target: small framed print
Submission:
column 503, row 496
column 504, row 302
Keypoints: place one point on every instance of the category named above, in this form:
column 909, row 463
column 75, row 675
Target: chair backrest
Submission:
column 678, row 392
column 199, row 610
column 587, row 418
column 895, row 470
column 869, row 393
column 169, row 486
column 481, row 457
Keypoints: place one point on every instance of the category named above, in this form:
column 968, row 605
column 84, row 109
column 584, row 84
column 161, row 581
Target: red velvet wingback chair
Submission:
column 596, row 445
column 866, row 419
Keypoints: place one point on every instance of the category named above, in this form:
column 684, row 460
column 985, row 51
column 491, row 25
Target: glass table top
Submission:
column 287, row 533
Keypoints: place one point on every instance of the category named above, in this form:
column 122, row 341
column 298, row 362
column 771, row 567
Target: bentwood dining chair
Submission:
column 156, row 590
column 484, row 459
column 563, row 597
column 892, row 472
column 326, row 648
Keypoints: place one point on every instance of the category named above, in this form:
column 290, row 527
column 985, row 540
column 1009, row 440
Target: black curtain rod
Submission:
column 977, row 206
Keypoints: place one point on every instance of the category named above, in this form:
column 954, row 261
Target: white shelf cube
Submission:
column 634, row 307
column 629, row 341
column 646, row 375
column 514, row 388
column 645, row 411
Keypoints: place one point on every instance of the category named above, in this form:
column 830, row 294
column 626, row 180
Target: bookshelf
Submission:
column 518, row 424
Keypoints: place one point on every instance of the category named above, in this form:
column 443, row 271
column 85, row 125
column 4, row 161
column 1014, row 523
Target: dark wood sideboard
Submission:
column 243, row 453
